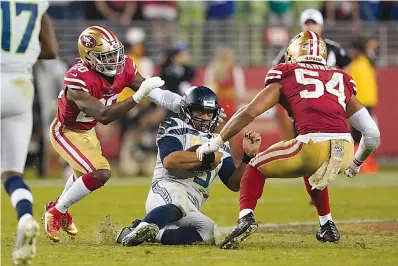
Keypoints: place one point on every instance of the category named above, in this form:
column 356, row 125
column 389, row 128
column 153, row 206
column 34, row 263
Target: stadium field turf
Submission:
column 365, row 210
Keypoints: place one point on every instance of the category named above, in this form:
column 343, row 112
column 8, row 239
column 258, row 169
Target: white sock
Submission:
column 68, row 184
column 75, row 193
column 244, row 212
column 323, row 219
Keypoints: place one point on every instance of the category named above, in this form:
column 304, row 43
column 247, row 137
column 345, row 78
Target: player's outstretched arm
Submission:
column 263, row 101
column 164, row 98
column 251, row 144
column 92, row 107
column 359, row 118
column 48, row 41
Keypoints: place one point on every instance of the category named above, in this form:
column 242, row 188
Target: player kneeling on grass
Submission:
column 319, row 98
column 181, row 182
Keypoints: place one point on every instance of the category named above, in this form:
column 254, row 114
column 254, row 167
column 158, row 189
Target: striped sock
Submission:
column 21, row 197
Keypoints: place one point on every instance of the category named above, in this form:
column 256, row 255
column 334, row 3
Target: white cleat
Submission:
column 25, row 244
column 144, row 232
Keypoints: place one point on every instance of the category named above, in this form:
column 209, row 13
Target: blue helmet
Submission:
column 201, row 99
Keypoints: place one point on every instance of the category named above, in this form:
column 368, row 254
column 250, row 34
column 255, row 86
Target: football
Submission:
column 201, row 168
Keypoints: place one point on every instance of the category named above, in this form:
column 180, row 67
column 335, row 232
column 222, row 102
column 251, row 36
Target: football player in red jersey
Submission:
column 89, row 96
column 319, row 98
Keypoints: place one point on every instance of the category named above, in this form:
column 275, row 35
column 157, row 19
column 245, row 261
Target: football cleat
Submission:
column 246, row 226
column 52, row 220
column 144, row 232
column 328, row 232
column 126, row 230
column 25, row 244
column 67, row 223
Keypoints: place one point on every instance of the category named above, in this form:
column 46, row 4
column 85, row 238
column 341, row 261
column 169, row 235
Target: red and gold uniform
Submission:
column 72, row 133
column 316, row 97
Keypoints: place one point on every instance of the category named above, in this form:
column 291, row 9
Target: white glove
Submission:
column 352, row 170
column 211, row 146
column 146, row 87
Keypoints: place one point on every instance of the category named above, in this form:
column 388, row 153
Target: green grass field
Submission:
column 367, row 208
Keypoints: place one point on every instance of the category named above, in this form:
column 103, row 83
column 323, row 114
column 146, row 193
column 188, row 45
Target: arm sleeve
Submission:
column 167, row 99
column 226, row 170
column 168, row 145
column 364, row 123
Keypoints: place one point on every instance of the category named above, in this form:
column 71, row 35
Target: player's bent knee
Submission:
column 102, row 174
column 6, row 175
column 207, row 232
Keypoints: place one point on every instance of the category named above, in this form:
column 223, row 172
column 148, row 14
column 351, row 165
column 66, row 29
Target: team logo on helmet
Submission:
column 88, row 41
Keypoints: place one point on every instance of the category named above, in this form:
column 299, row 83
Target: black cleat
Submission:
column 246, row 226
column 328, row 232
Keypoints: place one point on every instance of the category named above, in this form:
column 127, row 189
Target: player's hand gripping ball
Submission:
column 208, row 167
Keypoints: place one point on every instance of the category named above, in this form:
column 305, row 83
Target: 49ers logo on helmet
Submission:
column 88, row 41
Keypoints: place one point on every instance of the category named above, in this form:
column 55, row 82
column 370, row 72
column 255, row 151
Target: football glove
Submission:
column 352, row 170
column 146, row 87
column 211, row 146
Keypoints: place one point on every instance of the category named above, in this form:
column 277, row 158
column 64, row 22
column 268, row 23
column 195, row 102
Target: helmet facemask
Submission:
column 109, row 63
column 204, row 125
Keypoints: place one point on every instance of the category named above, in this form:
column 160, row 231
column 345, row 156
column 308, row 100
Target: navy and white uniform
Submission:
column 185, row 189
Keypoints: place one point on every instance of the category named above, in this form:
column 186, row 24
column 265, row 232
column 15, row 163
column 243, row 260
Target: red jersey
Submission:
column 315, row 96
column 81, row 77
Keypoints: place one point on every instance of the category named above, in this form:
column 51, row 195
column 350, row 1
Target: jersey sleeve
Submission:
column 350, row 87
column 274, row 74
column 131, row 71
column 170, row 128
column 76, row 80
column 169, row 138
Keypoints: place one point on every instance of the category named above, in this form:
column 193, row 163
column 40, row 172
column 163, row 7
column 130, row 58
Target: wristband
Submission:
column 246, row 158
column 208, row 158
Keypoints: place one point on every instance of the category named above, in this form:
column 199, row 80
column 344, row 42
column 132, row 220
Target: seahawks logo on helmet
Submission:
column 200, row 100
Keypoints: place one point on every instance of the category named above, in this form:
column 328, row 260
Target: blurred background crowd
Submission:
column 227, row 46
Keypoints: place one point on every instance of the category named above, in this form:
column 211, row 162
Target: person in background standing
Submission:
column 175, row 70
column 362, row 71
column 122, row 11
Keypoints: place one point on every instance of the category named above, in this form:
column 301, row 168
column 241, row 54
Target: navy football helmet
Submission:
column 204, row 100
